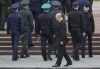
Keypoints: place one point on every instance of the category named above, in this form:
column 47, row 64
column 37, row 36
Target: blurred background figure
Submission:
column 4, row 5
column 90, row 28
column 62, row 40
column 35, row 8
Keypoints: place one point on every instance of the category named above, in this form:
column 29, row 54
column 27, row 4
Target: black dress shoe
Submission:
column 90, row 56
column 56, row 65
column 45, row 59
column 76, row 59
column 83, row 57
column 68, row 64
column 22, row 56
column 17, row 56
column 14, row 59
column 50, row 58
column 27, row 55
column 30, row 45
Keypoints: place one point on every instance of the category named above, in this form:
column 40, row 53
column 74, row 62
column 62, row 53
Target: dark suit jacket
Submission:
column 90, row 25
column 61, row 32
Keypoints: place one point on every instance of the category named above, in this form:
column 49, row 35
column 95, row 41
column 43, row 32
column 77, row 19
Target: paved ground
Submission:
column 36, row 61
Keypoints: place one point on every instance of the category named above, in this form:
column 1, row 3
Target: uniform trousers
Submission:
column 77, row 40
column 44, row 38
column 15, row 41
column 25, row 38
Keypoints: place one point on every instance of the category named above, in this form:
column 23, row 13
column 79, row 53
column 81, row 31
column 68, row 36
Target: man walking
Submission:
column 15, row 26
column 45, row 26
column 28, row 27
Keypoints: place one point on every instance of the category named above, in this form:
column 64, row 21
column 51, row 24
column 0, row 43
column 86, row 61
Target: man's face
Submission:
column 58, row 16
column 86, row 9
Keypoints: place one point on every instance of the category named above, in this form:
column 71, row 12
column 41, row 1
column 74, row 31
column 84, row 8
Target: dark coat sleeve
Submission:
column 38, row 27
column 63, row 35
column 8, row 26
column 69, row 20
column 92, row 23
column 21, row 25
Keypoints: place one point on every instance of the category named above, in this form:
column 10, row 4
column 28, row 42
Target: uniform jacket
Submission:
column 90, row 25
column 76, row 19
column 15, row 23
column 45, row 23
column 28, row 18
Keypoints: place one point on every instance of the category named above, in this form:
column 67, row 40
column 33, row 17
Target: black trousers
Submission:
column 44, row 38
column 77, row 40
column 62, row 52
column 89, row 35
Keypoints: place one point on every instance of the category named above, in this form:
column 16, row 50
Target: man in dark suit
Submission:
column 56, row 5
column 77, row 28
column 62, row 41
column 45, row 26
column 90, row 27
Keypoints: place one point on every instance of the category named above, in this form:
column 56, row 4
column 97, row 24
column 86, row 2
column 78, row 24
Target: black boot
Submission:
column 22, row 56
column 27, row 55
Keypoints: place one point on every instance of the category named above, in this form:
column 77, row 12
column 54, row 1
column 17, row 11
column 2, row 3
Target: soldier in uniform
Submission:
column 45, row 26
column 77, row 27
column 62, row 41
column 28, row 27
column 56, row 10
column 30, row 44
column 90, row 27
column 15, row 26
